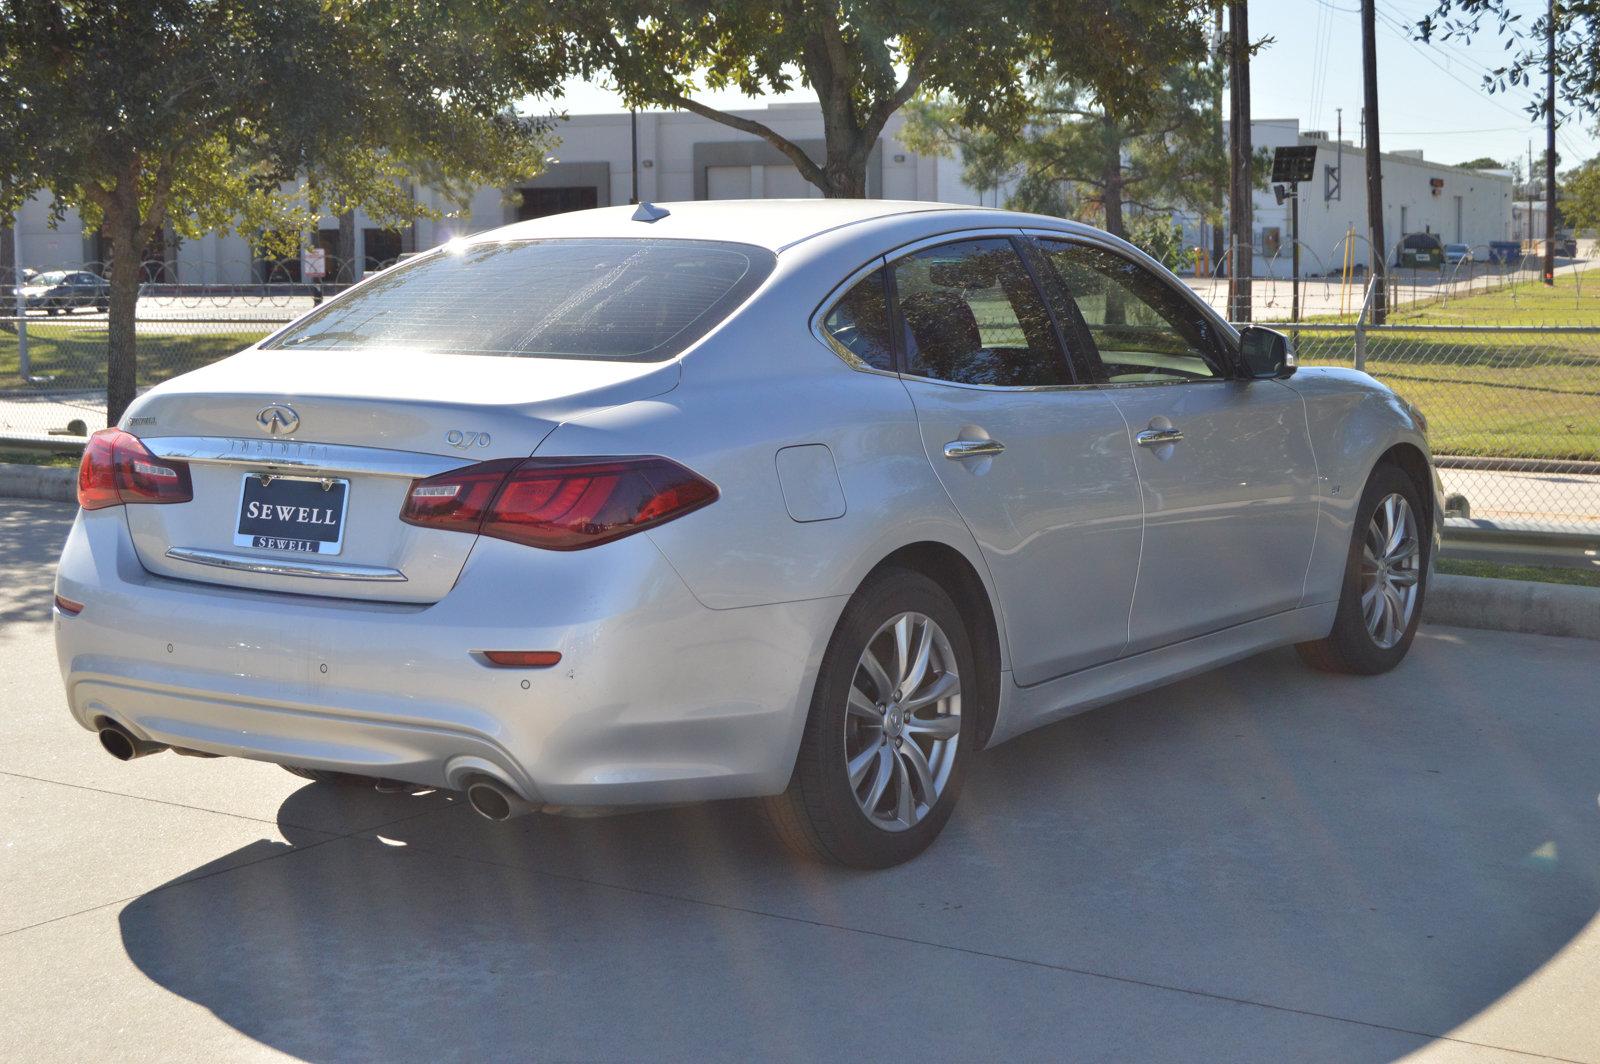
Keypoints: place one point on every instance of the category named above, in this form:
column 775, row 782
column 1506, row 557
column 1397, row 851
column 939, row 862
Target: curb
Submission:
column 55, row 483
column 1513, row 606
column 1459, row 601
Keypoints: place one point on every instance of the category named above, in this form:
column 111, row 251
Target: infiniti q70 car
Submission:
column 804, row 502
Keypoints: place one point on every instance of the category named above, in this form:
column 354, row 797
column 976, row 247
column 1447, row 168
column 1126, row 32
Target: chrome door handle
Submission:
column 1156, row 437
column 959, row 449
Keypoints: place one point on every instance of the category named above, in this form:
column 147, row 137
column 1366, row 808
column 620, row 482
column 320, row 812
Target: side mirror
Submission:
column 1265, row 353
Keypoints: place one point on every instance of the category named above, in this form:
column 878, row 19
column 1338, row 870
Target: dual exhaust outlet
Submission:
column 488, row 797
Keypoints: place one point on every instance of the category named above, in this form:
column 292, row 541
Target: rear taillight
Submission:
column 557, row 503
column 118, row 469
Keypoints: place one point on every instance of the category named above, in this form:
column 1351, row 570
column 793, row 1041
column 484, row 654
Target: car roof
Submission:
column 775, row 224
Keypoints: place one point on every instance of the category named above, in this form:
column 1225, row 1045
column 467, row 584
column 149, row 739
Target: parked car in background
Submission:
column 1567, row 247
column 1505, row 252
column 63, row 291
column 1455, row 254
column 1419, row 249
column 804, row 501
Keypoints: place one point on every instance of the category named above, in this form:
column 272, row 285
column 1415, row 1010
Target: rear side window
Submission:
column 973, row 316
column 624, row 300
column 858, row 325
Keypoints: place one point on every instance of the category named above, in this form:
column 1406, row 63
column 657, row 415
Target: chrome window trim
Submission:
column 301, row 456
column 820, row 315
column 248, row 563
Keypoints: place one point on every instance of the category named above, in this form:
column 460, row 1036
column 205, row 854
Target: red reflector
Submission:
column 557, row 503
column 68, row 607
column 117, row 468
column 523, row 659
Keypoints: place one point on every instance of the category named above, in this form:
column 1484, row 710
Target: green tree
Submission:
column 1580, row 197
column 863, row 58
column 1087, row 150
column 1483, row 162
column 208, row 113
column 1577, row 46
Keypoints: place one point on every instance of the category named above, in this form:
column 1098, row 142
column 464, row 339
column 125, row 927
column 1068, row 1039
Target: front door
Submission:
column 1039, row 465
column 1225, row 464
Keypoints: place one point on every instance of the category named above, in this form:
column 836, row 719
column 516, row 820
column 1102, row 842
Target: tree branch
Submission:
column 808, row 169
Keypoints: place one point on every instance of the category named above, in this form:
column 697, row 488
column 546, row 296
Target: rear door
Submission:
column 1038, row 464
column 1225, row 464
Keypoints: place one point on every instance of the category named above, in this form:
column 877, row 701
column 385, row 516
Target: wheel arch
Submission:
column 1409, row 459
column 952, row 571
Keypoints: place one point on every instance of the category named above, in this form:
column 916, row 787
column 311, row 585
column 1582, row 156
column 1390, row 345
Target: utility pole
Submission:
column 1550, row 145
column 1219, row 51
column 1369, row 127
column 1241, row 190
column 633, row 125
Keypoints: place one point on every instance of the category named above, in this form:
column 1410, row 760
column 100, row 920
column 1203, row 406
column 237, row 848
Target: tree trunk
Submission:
column 10, row 276
column 344, row 269
column 122, row 366
column 1112, row 198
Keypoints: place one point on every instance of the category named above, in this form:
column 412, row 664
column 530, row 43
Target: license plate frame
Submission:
column 287, row 535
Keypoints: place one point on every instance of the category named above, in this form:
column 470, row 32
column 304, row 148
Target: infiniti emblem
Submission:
column 278, row 420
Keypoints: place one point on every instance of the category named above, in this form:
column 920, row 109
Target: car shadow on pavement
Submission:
column 31, row 535
column 1380, row 859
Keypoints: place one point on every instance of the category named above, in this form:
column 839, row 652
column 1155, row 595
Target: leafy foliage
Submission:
column 205, row 113
column 1577, row 46
column 1099, row 138
column 1580, row 197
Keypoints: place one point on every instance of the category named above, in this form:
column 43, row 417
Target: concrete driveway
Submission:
column 1262, row 864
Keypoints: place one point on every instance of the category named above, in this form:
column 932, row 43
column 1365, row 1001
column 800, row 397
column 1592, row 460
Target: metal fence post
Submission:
column 1361, row 323
column 24, row 366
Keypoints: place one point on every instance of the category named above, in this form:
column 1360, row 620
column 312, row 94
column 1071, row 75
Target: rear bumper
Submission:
column 656, row 698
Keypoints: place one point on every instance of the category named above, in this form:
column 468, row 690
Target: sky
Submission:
column 1430, row 96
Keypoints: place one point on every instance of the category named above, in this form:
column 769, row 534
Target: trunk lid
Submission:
column 359, row 425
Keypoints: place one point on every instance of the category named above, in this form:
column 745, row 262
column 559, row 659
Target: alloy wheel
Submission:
column 903, row 721
column 1391, row 567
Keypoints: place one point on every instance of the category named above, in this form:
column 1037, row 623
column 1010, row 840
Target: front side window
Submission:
column 858, row 325
column 635, row 300
column 1144, row 331
column 973, row 316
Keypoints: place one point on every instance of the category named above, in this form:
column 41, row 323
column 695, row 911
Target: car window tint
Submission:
column 1144, row 330
column 638, row 300
column 858, row 324
column 973, row 316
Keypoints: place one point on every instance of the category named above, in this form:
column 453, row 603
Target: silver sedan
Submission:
column 800, row 501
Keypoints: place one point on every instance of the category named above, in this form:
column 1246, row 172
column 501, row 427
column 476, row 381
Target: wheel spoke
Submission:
column 1372, row 606
column 864, row 707
column 875, row 672
column 917, row 762
column 859, row 764
column 1403, row 578
column 1405, row 552
column 885, row 761
column 918, row 670
column 902, row 650
column 945, row 726
column 941, row 688
column 903, row 803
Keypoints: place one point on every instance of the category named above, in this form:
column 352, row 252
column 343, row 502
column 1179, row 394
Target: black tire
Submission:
column 1351, row 647
column 322, row 775
column 819, row 814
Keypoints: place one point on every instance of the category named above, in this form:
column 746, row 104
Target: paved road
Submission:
column 1261, row 864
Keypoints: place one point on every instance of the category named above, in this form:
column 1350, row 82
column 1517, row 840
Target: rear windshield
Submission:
column 627, row 300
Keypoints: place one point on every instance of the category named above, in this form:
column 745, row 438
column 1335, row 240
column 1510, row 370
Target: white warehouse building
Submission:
column 682, row 156
column 1457, row 206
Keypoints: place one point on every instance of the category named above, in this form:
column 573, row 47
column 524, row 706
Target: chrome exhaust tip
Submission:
column 493, row 800
column 124, row 745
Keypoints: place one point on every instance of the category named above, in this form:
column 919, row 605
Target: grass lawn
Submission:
column 1573, row 300
column 1539, row 573
column 74, row 356
column 1518, row 395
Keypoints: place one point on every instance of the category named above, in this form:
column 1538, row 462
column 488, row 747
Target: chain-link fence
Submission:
column 1513, row 411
